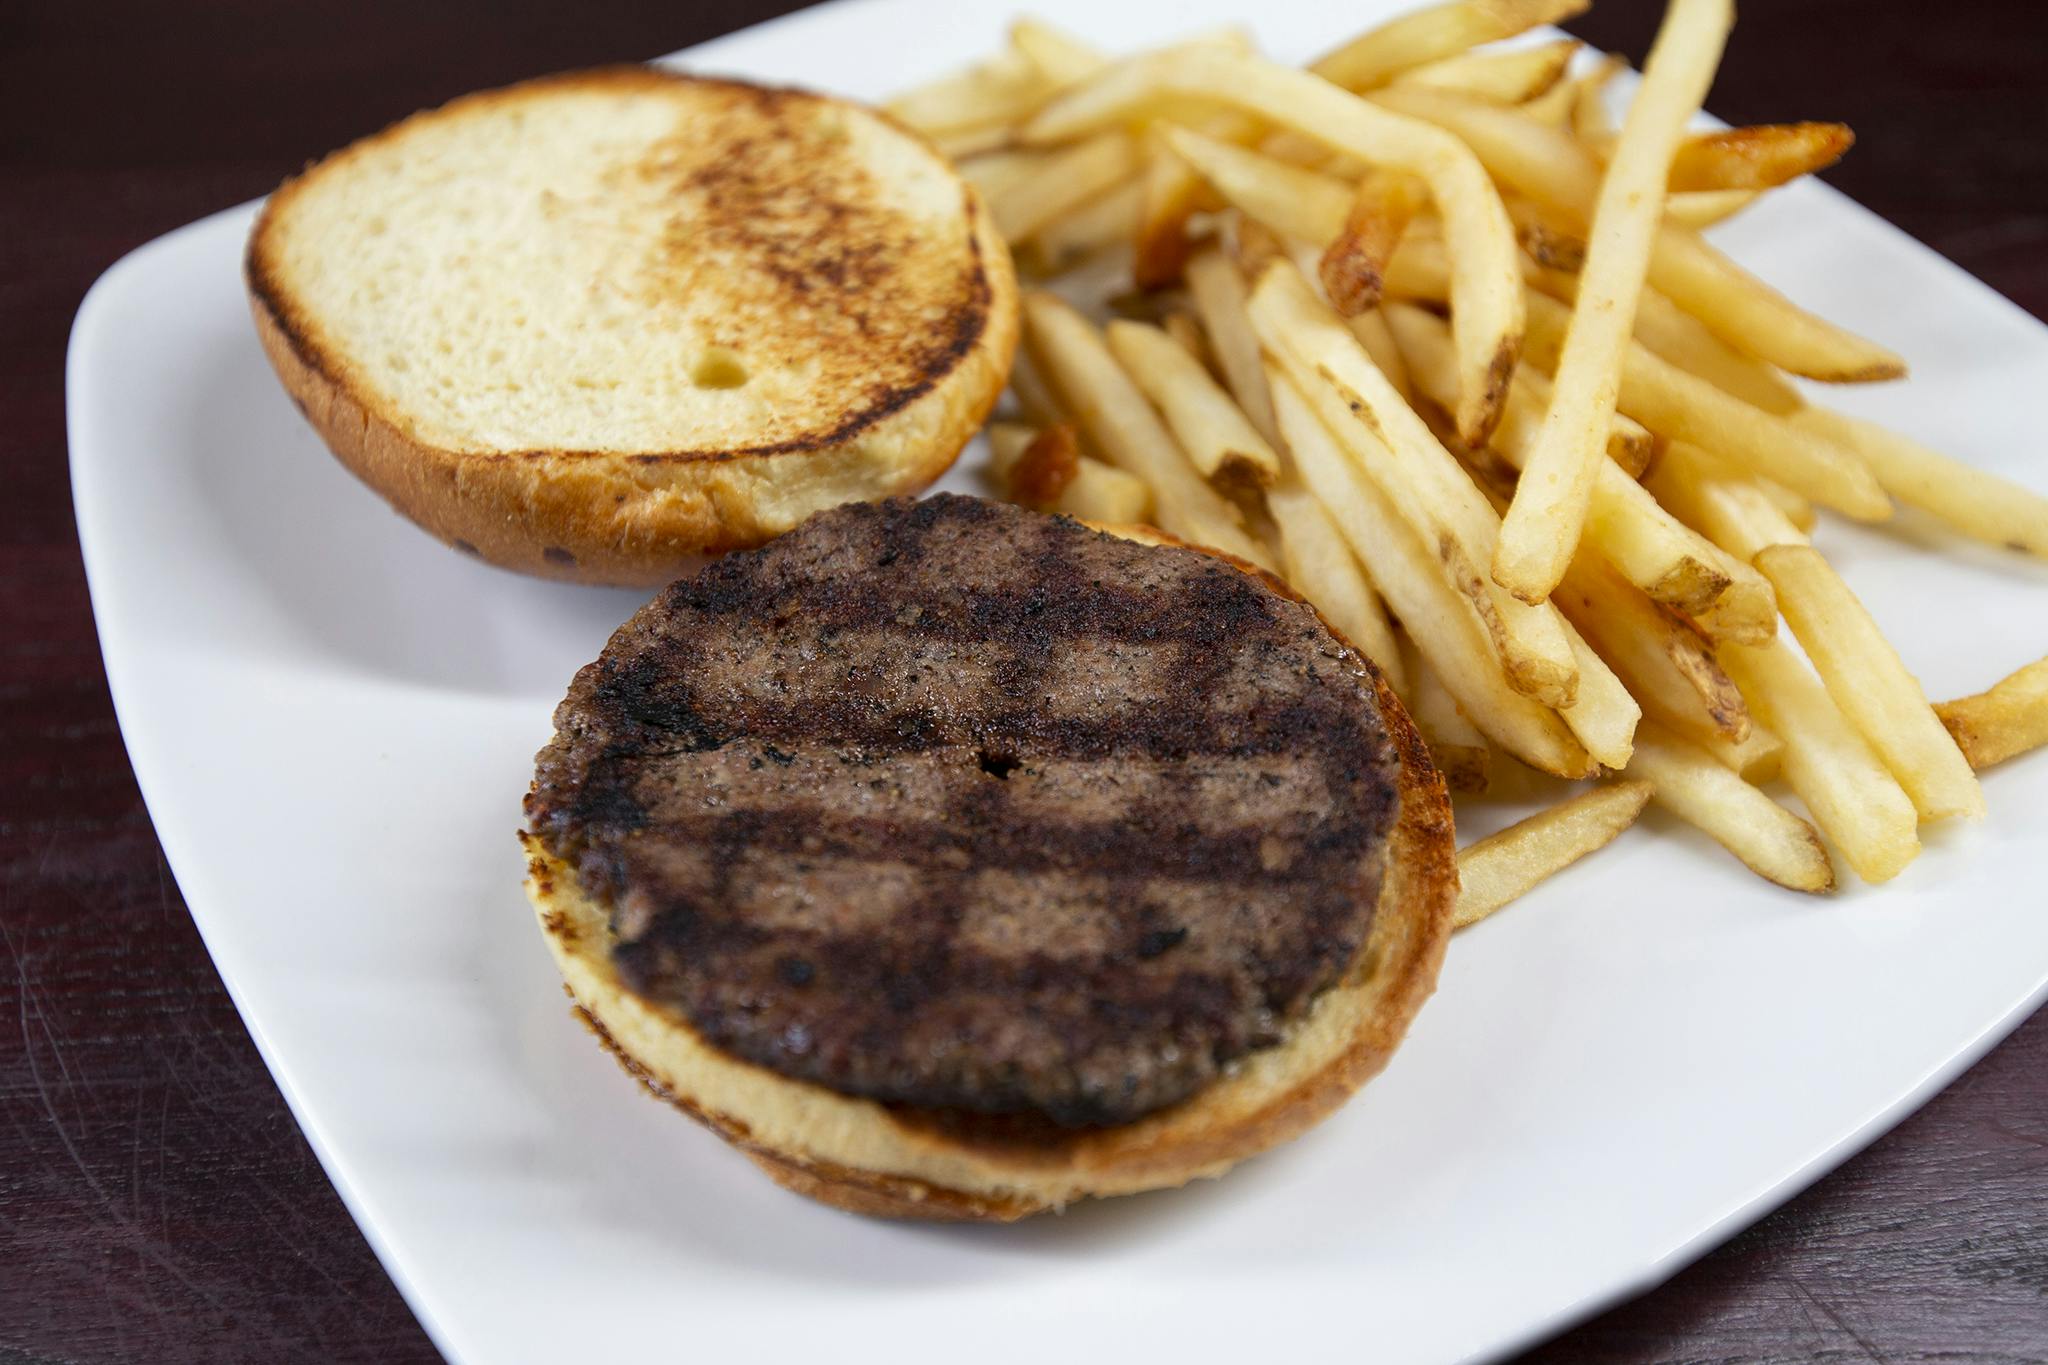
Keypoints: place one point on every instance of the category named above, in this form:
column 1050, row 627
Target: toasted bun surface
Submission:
column 595, row 325
column 870, row 1158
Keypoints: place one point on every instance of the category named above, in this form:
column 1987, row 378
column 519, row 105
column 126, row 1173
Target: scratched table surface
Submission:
column 157, row 1201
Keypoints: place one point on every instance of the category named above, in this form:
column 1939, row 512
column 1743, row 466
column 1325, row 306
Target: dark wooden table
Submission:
column 156, row 1200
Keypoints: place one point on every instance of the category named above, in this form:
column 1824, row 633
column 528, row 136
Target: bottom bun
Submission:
column 892, row 1162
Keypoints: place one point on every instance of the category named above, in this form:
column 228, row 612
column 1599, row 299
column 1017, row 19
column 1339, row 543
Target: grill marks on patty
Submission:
column 957, row 806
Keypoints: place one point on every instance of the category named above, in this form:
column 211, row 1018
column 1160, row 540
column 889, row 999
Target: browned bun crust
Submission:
column 640, row 518
column 912, row 1167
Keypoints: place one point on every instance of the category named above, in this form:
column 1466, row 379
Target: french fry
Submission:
column 1354, row 264
column 1589, row 120
column 1059, row 58
column 1097, row 225
column 1172, row 192
column 1757, row 759
column 1971, row 500
column 1759, row 157
column 997, row 172
column 1550, row 167
column 1853, row 798
column 1513, row 75
column 1322, row 568
column 1034, row 400
column 1090, row 491
column 1418, row 474
column 1673, row 334
column 1486, row 290
column 1455, row 744
column 1121, row 424
column 969, row 143
column 1412, row 582
column 1203, row 419
column 1644, row 543
column 1373, row 334
column 1869, row 681
column 1629, row 443
column 1604, row 715
column 1187, row 332
column 1291, row 200
column 2010, row 718
column 1772, row 841
column 1220, row 301
column 1062, row 183
column 1434, row 34
column 1542, row 528
column 1667, row 665
column 1704, row 208
column 1684, row 407
column 1001, row 91
column 1552, row 108
column 1506, row 866
column 1732, row 511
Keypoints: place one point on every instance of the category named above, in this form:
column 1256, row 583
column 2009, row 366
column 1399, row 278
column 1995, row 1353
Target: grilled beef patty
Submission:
column 955, row 805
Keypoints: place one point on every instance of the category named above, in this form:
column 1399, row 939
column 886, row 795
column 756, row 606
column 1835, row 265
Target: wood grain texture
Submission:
column 156, row 1200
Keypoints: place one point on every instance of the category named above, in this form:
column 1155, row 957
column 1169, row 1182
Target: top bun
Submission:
column 596, row 325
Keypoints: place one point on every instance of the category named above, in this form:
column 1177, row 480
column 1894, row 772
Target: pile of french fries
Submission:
column 1421, row 330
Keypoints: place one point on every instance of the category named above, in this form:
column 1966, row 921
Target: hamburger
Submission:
column 598, row 325
column 956, row 861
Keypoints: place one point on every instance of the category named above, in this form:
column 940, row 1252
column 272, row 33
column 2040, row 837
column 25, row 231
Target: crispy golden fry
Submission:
column 1552, row 108
column 1036, row 402
column 1626, row 527
column 1604, row 715
column 1869, row 681
column 1063, row 182
column 1172, row 192
column 1798, row 509
column 1772, row 841
column 1203, row 419
column 1506, row 866
column 1486, row 288
column 1033, row 466
column 1412, row 581
column 1547, row 243
column 1629, row 443
column 1090, row 490
column 1187, row 332
column 1673, row 334
column 2009, row 719
column 1059, row 58
column 997, row 92
column 1434, row 34
column 1667, row 665
column 1455, row 745
column 1971, row 500
column 1373, row 334
column 1759, row 157
column 1757, row 759
column 997, row 172
column 1512, row 75
column 1550, row 167
column 1589, row 120
column 1097, row 225
column 1704, row 208
column 1422, row 478
column 1354, row 264
column 1322, row 568
column 969, row 143
column 1291, row 200
column 1220, row 300
column 1121, row 424
column 1843, row 782
column 1684, row 407
column 1712, row 497
column 1544, row 522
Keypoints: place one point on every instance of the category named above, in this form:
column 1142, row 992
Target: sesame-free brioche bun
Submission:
column 892, row 1161
column 597, row 325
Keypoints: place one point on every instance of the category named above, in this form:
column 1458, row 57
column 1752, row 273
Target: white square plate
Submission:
column 333, row 719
